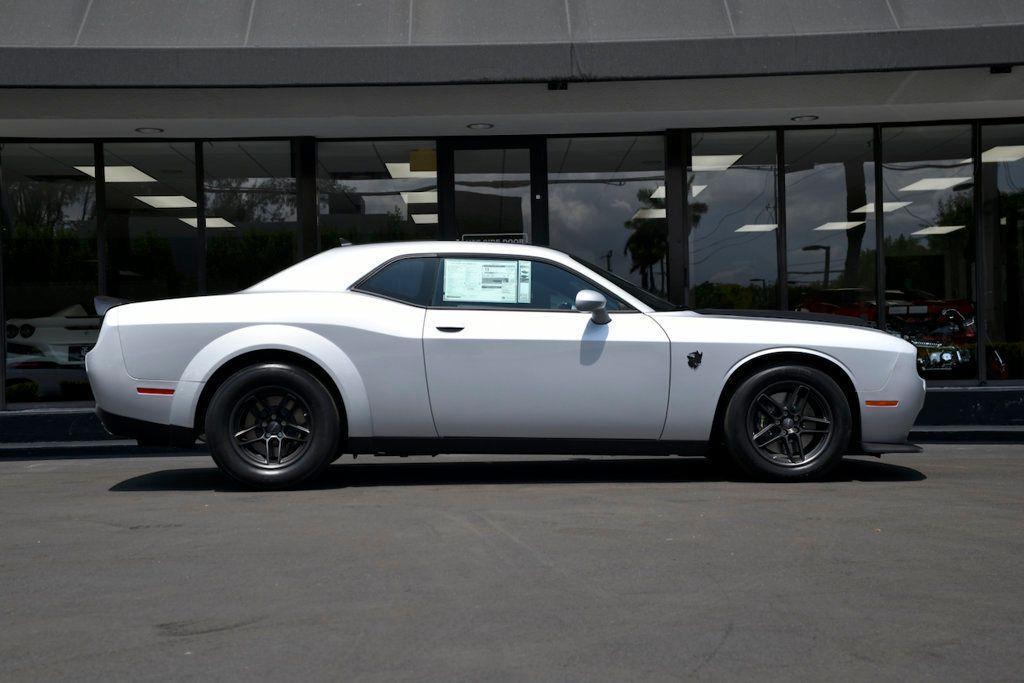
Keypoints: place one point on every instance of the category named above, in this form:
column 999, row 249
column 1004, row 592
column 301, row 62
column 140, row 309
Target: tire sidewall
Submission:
column 741, row 446
column 324, row 442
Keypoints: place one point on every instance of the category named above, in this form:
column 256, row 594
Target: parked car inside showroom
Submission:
column 461, row 347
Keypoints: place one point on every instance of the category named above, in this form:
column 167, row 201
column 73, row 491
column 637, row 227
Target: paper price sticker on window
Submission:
column 486, row 281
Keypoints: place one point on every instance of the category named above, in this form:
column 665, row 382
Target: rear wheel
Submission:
column 788, row 423
column 273, row 426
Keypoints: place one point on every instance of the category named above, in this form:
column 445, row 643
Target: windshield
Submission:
column 655, row 302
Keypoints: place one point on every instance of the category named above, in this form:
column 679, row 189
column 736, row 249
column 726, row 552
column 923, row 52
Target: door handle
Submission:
column 450, row 329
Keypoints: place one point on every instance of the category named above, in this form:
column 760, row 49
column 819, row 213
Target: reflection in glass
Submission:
column 732, row 201
column 376, row 191
column 492, row 194
column 50, row 269
column 151, row 192
column 251, row 212
column 606, row 205
column 929, row 246
column 1002, row 172
column 830, row 222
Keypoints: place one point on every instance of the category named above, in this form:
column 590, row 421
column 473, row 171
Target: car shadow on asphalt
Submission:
column 573, row 471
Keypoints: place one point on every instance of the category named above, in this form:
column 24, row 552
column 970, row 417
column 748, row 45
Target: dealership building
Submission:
column 857, row 157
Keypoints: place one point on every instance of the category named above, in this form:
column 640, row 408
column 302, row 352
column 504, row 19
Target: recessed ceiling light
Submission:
column 118, row 174
column 886, row 207
column 713, row 162
column 659, row 193
column 839, row 225
column 931, row 184
column 648, row 214
column 757, row 227
column 424, row 218
column 400, row 171
column 149, row 130
column 803, row 118
column 697, row 189
column 480, row 126
column 167, row 201
column 1003, row 153
column 427, row 197
column 938, row 230
column 211, row 222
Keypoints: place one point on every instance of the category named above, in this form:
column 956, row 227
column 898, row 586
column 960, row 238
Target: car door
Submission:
column 508, row 356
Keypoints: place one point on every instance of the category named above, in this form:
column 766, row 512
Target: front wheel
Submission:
column 788, row 423
column 272, row 426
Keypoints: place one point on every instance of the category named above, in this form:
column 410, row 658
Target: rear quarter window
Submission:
column 409, row 280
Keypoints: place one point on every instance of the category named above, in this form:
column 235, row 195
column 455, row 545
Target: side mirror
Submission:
column 592, row 302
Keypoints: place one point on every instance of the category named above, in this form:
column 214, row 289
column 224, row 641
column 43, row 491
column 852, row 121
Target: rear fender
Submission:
column 297, row 340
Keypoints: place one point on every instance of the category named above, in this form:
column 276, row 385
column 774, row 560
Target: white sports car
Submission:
column 459, row 347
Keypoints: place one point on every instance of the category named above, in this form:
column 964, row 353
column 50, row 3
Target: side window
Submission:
column 410, row 280
column 511, row 283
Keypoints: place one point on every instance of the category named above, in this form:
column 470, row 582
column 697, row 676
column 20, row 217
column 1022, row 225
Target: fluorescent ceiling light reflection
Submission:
column 118, row 174
column 167, row 201
column 659, row 193
column 424, row 218
column 648, row 214
column 1003, row 153
column 427, row 197
column 697, row 189
column 713, row 162
column 400, row 170
column 211, row 222
column 925, row 184
column 886, row 207
column 938, row 230
column 839, row 225
column 757, row 227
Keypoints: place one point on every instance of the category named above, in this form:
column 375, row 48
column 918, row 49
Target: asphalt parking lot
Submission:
column 502, row 569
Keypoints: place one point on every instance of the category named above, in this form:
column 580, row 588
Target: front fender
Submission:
column 788, row 349
column 298, row 340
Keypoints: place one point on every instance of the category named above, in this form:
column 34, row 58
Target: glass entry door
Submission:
column 494, row 191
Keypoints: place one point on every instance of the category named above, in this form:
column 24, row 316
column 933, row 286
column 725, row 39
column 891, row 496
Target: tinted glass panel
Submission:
column 50, row 269
column 492, row 194
column 830, row 222
column 732, row 200
column 606, row 205
column 151, row 196
column 929, row 246
column 251, row 212
column 373, row 191
column 510, row 283
column 410, row 280
column 1002, row 164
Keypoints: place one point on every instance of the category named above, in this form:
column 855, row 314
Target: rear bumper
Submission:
column 149, row 433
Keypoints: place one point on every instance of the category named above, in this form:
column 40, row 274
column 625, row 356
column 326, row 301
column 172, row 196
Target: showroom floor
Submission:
column 512, row 568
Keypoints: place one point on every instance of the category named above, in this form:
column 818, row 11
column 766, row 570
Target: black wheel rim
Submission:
column 790, row 424
column 272, row 427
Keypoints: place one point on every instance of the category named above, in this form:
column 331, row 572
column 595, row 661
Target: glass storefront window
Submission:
column 252, row 228
column 376, row 191
column 929, row 246
column 50, row 269
column 732, row 199
column 606, row 205
column 492, row 194
column 830, row 222
column 151, row 194
column 1002, row 178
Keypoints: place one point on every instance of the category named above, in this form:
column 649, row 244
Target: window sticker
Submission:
column 487, row 281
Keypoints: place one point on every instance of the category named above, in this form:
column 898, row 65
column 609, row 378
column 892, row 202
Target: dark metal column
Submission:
column 539, row 230
column 107, row 283
column 676, row 214
column 876, row 144
column 307, row 211
column 446, row 189
column 782, row 300
column 200, row 218
column 980, row 265
column 5, row 224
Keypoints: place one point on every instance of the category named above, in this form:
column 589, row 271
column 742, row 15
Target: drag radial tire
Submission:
column 273, row 425
column 788, row 423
